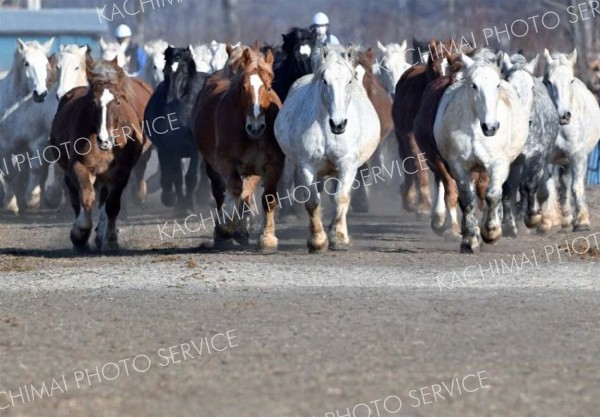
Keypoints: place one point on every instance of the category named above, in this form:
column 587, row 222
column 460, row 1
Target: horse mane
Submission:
column 109, row 73
column 559, row 60
column 519, row 63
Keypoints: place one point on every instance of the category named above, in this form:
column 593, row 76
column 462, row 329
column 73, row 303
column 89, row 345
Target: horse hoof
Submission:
column 582, row 228
column 451, row 236
column 510, row 230
column 469, row 246
column 533, row 221
column 12, row 207
column 34, row 203
column 491, row 235
column 110, row 246
column 168, row 199
column 80, row 237
column 82, row 249
column 268, row 244
column 437, row 226
column 241, row 238
column 316, row 245
column 339, row 246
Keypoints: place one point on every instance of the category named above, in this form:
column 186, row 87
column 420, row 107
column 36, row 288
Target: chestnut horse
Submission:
column 407, row 102
column 105, row 138
column 233, row 122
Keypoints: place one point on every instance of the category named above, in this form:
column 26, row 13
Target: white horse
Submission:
column 72, row 64
column 211, row 57
column 391, row 64
column 328, row 128
column 112, row 50
column 155, row 63
column 481, row 125
column 580, row 131
column 27, row 109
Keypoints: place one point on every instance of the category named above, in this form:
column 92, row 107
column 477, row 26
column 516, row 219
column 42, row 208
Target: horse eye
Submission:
column 325, row 82
column 155, row 67
column 26, row 63
column 474, row 86
column 498, row 87
column 77, row 68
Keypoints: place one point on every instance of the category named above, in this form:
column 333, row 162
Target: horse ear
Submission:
column 48, row 45
column 191, row 48
column 84, row 49
column 246, row 58
column 148, row 50
column 115, row 61
column 381, row 47
column 237, row 45
column 353, row 56
column 499, row 59
column 22, row 45
column 52, row 60
column 506, row 64
column 103, row 44
column 256, row 45
column 229, row 48
column 467, row 62
column 404, row 45
column 270, row 58
column 61, row 48
column 548, row 56
column 370, row 56
column 531, row 66
column 573, row 56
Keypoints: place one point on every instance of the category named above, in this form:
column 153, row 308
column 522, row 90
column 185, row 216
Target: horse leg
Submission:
column 268, row 240
column 168, row 163
column 82, row 229
column 422, row 180
column 581, row 220
column 203, row 189
column 565, row 177
column 509, row 196
column 438, row 211
column 547, row 201
column 191, row 181
column 177, row 178
column 338, row 231
column 360, row 199
column 317, row 240
column 407, row 189
column 492, row 227
column 108, row 235
column 286, row 186
column 218, row 187
column 10, row 196
column 103, row 219
column 247, row 207
column 140, row 190
column 466, row 198
column 451, row 200
column 534, row 174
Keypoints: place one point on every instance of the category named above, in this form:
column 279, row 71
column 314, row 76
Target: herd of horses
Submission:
column 495, row 136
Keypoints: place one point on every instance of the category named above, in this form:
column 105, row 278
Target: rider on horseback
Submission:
column 320, row 25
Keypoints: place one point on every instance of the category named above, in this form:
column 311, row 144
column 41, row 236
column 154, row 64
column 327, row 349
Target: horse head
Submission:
column 483, row 83
column 391, row 63
column 559, row 78
column 155, row 63
column 179, row 70
column 32, row 59
column 255, row 82
column 520, row 74
column 337, row 78
column 112, row 50
column 73, row 64
column 107, row 94
column 298, row 46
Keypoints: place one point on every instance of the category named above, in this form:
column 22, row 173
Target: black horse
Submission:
column 294, row 61
column 167, row 119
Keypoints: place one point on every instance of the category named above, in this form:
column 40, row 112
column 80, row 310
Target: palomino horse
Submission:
column 407, row 102
column 233, row 126
column 105, row 137
column 328, row 127
column 579, row 114
column 481, row 125
column 528, row 170
column 391, row 64
column 155, row 63
column 26, row 111
column 170, row 111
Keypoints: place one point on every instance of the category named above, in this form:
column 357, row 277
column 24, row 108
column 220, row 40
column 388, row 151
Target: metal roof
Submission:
column 51, row 21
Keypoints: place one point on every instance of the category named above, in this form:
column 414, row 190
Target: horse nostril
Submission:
column 344, row 124
column 568, row 115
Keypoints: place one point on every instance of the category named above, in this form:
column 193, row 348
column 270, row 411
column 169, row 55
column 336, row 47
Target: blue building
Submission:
column 68, row 26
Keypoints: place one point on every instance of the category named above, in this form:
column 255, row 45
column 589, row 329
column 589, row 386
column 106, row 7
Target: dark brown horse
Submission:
column 103, row 130
column 407, row 102
column 233, row 125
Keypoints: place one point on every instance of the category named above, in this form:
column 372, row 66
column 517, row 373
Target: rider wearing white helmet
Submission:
column 134, row 52
column 320, row 25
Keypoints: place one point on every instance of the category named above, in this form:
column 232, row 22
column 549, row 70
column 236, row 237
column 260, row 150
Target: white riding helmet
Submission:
column 320, row 19
column 123, row 31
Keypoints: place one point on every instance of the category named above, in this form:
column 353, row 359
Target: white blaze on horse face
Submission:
column 306, row 50
column 256, row 83
column 445, row 65
column 104, row 136
column 485, row 84
column 175, row 67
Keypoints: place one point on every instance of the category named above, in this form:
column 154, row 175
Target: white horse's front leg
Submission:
column 466, row 198
column 307, row 191
column 581, row 221
column 492, row 216
column 338, row 232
